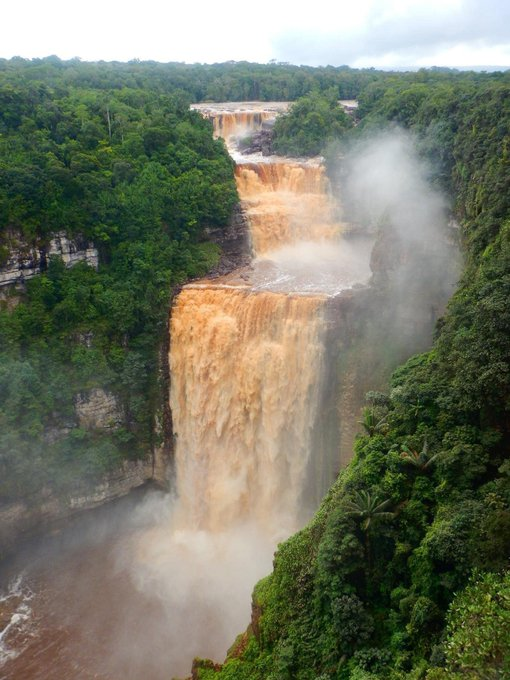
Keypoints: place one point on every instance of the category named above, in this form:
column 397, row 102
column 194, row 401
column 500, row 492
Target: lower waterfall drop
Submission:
column 245, row 382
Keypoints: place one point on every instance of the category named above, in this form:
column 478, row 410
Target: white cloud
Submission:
column 365, row 32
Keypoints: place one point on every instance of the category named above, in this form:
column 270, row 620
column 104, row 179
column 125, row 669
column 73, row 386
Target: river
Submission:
column 138, row 589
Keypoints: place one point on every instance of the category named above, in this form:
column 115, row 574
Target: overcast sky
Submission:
column 379, row 33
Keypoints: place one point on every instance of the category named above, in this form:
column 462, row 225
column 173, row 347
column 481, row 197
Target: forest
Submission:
column 402, row 573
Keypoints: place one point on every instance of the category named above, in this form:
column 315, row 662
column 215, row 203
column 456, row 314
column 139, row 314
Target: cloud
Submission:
column 406, row 34
column 380, row 33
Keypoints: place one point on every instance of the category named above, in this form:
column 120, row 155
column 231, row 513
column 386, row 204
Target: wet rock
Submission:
column 261, row 142
column 234, row 242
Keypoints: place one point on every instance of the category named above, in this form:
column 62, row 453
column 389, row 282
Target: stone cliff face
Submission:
column 24, row 260
column 97, row 409
column 26, row 517
column 234, row 241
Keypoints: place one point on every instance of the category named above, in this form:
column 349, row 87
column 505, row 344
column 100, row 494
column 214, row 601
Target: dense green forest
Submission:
column 230, row 81
column 313, row 122
column 140, row 175
column 402, row 572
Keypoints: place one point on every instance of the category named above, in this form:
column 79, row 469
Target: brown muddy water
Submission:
column 70, row 608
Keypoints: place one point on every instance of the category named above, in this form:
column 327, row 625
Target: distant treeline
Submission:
column 229, row 81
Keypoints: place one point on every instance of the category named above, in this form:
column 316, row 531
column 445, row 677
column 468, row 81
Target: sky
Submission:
column 378, row 33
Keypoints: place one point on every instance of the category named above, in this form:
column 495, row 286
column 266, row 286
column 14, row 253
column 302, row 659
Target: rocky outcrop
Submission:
column 25, row 260
column 97, row 409
column 260, row 142
column 234, row 241
column 21, row 519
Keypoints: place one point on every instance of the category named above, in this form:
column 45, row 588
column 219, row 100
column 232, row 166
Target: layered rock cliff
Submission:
column 23, row 260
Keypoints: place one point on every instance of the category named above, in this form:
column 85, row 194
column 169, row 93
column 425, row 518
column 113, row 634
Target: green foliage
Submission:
column 367, row 509
column 312, row 122
column 422, row 460
column 372, row 423
column 230, row 81
column 140, row 175
column 478, row 631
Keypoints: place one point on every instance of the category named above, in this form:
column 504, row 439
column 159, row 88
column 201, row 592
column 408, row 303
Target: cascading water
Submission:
column 286, row 203
column 244, row 402
column 238, row 119
column 248, row 362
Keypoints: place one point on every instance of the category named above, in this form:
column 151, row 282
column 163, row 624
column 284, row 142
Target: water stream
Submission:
column 172, row 579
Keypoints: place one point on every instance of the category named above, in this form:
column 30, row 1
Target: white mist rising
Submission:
column 387, row 182
column 415, row 263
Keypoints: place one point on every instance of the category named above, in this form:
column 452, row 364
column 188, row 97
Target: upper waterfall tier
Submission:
column 238, row 119
column 294, row 220
column 286, row 202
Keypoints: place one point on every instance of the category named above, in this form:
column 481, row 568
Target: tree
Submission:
column 371, row 422
column 311, row 123
column 369, row 510
column 422, row 461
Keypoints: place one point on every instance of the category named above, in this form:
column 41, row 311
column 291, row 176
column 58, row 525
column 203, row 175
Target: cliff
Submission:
column 234, row 243
column 23, row 260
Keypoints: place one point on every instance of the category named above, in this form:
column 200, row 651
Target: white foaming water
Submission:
column 15, row 601
column 326, row 267
column 202, row 580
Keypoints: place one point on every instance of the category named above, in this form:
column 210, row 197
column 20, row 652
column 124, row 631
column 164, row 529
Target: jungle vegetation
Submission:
column 139, row 175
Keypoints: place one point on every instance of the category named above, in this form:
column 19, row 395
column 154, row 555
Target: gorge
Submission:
column 264, row 376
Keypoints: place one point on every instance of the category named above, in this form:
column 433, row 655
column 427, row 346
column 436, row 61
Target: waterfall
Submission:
column 286, row 202
column 245, row 380
column 248, row 362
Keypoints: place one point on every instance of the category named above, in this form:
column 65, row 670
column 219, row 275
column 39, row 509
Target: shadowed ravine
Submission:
column 248, row 364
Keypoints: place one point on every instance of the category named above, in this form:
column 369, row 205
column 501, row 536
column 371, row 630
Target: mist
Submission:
column 387, row 181
column 387, row 191
column 199, row 583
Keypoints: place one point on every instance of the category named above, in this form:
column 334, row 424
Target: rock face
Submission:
column 97, row 409
column 25, row 260
column 21, row 519
column 234, row 242
column 261, row 142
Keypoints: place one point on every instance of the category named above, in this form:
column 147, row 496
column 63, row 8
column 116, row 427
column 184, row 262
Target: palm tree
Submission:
column 372, row 424
column 421, row 461
column 369, row 510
